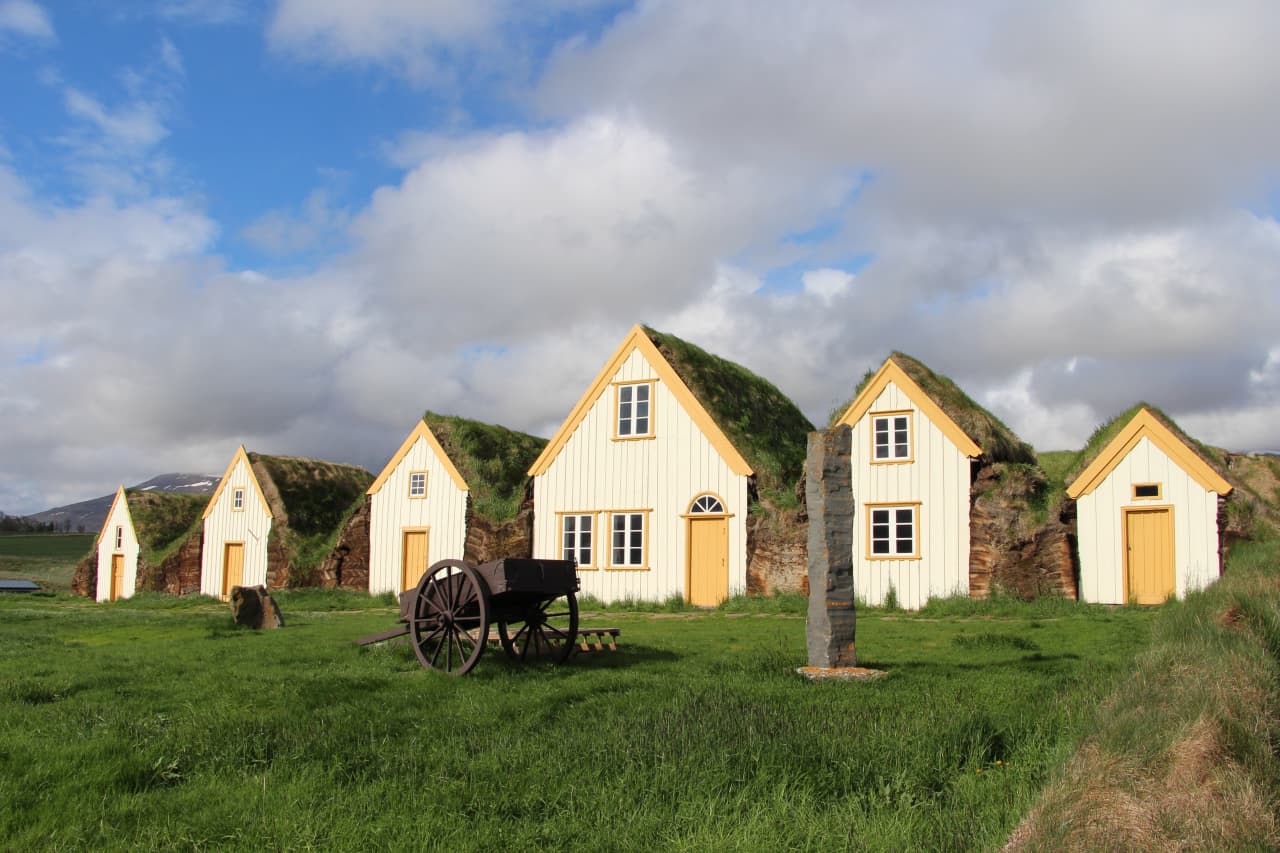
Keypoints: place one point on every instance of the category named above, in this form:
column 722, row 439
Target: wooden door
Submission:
column 708, row 573
column 117, row 576
column 232, row 567
column 1149, row 555
column 414, row 558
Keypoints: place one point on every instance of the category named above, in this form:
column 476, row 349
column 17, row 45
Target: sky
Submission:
column 297, row 224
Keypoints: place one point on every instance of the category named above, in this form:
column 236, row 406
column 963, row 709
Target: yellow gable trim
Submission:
column 636, row 339
column 421, row 431
column 1146, row 425
column 240, row 456
column 119, row 499
column 891, row 372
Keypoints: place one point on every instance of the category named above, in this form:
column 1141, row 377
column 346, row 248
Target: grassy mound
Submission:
column 764, row 425
column 1181, row 756
column 163, row 520
column 310, row 500
column 998, row 442
column 492, row 459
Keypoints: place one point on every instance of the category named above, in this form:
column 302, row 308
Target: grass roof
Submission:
column 1103, row 435
column 311, row 500
column 764, row 425
column 163, row 520
column 998, row 442
column 492, row 459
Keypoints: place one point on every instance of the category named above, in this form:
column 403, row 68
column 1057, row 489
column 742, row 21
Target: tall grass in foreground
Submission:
column 1183, row 754
column 145, row 726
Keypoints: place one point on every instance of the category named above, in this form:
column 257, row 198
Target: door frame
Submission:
column 404, row 537
column 690, row 518
column 1125, row 512
column 226, row 549
column 116, row 578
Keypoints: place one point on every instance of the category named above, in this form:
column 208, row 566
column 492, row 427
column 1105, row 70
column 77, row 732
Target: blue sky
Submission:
column 297, row 224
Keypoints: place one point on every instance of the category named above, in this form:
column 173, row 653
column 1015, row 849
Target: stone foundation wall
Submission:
column 179, row 574
column 1008, row 550
column 777, row 551
column 347, row 566
column 85, row 579
column 488, row 540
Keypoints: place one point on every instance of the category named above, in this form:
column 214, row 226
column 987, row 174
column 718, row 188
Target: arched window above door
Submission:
column 706, row 504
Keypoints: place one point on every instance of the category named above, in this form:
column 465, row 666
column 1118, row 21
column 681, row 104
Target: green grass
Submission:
column 46, row 558
column 153, row 723
column 1182, row 755
column 492, row 459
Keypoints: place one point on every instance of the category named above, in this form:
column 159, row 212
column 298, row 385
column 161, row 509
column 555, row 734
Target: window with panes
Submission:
column 891, row 437
column 894, row 530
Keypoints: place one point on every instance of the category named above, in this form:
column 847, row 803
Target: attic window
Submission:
column 1148, row 491
column 633, row 407
column 237, row 499
column 119, row 537
column 891, row 437
column 418, row 484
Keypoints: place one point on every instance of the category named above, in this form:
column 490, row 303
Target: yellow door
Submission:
column 708, row 561
column 415, row 558
column 232, row 567
column 1149, row 557
column 117, row 576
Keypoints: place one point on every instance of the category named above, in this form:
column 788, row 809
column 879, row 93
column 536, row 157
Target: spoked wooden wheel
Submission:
column 545, row 630
column 450, row 621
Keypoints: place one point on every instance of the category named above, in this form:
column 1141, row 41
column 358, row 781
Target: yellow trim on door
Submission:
column 1148, row 550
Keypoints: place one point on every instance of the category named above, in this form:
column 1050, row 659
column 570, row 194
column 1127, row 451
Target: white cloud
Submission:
column 25, row 18
column 133, row 126
column 283, row 232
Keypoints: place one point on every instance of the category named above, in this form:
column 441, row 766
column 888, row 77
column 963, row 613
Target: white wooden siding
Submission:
column 443, row 511
column 663, row 474
column 119, row 517
column 1100, row 530
column 938, row 478
column 223, row 524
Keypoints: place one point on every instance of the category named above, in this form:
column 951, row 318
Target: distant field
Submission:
column 47, row 558
column 154, row 723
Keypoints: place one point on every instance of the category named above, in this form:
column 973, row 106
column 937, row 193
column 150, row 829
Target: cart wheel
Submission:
column 546, row 631
column 450, row 621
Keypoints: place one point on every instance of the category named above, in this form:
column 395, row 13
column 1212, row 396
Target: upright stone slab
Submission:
column 829, row 496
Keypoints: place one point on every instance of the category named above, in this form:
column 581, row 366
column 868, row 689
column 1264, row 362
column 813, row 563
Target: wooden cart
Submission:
column 534, row 604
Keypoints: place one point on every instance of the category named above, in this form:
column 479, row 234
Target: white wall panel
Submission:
column 119, row 517
column 593, row 472
column 1100, row 532
column 443, row 512
column 224, row 524
column 938, row 478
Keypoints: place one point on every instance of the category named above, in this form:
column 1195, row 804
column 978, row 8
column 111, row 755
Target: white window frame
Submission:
column 627, row 417
column 419, row 495
column 237, row 499
column 897, row 425
column 572, row 536
column 892, row 536
column 119, row 537
column 633, row 522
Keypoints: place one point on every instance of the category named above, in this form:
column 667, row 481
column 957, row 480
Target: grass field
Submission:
column 47, row 558
column 153, row 723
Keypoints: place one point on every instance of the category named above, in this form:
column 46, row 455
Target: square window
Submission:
column 576, row 538
column 628, row 543
column 891, row 437
column 418, row 484
column 892, row 531
column 633, row 405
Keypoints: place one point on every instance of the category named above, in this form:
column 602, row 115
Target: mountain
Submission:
column 88, row 516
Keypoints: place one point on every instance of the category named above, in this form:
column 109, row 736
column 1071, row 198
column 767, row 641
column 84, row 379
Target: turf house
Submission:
column 1150, row 511
column 453, row 489
column 273, row 520
column 149, row 541
column 917, row 444
column 649, row 481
